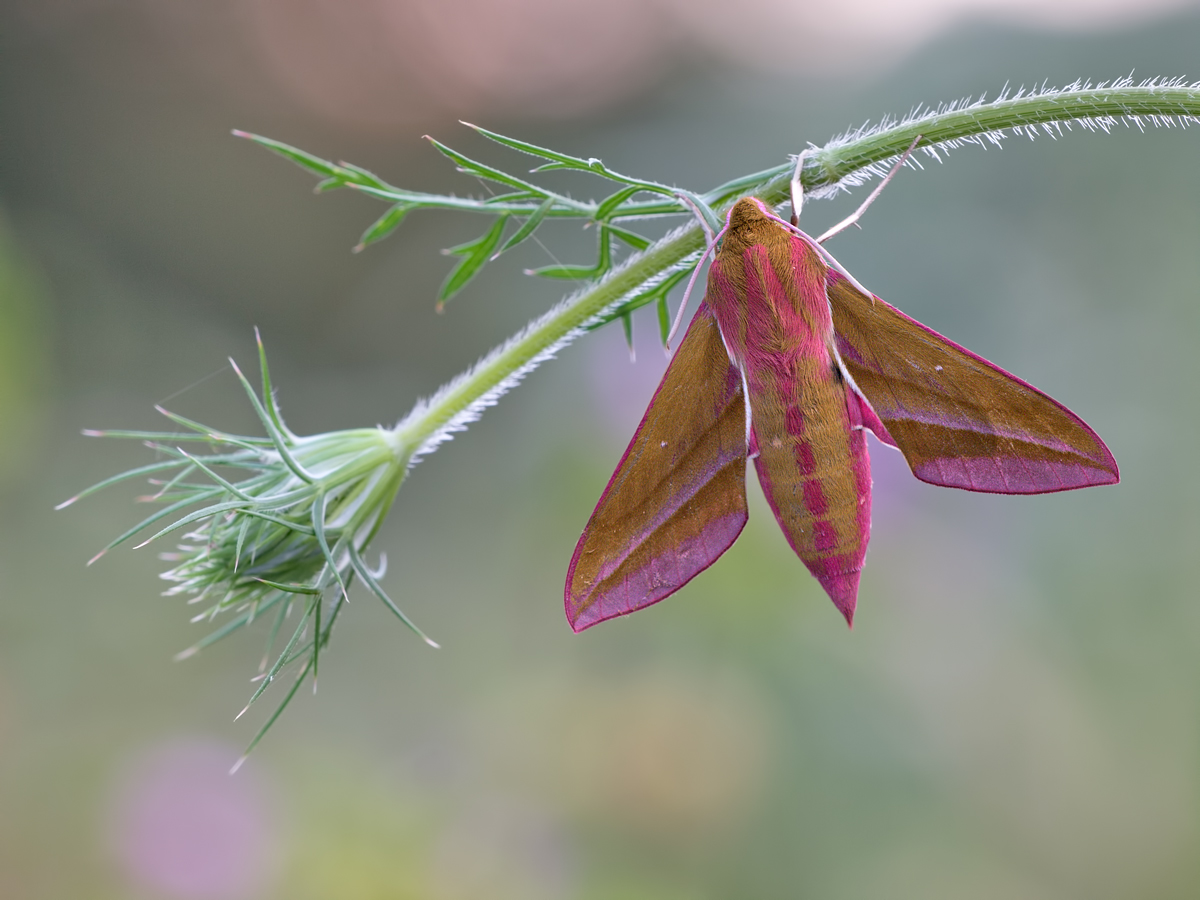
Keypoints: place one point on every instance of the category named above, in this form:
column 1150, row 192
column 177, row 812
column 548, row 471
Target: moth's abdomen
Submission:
column 815, row 472
column 806, row 421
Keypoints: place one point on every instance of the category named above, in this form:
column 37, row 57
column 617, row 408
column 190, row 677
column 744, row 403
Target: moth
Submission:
column 789, row 361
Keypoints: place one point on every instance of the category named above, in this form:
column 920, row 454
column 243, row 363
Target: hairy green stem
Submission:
column 840, row 161
column 1094, row 108
column 463, row 399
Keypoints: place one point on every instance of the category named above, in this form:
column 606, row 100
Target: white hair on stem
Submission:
column 926, row 118
column 458, row 415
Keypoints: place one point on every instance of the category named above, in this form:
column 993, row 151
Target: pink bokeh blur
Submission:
column 387, row 66
column 183, row 827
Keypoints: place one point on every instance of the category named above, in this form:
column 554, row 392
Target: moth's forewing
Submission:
column 677, row 500
column 959, row 420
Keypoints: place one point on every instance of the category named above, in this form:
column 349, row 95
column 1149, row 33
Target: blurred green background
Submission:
column 1015, row 711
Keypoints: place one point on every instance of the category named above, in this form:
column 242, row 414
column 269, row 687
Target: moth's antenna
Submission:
column 853, row 218
column 688, row 293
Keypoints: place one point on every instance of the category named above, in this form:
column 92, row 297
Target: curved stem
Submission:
column 840, row 161
column 463, row 399
column 1051, row 111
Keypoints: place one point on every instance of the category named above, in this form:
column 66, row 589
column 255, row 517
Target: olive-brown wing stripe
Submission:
column 678, row 497
column 960, row 420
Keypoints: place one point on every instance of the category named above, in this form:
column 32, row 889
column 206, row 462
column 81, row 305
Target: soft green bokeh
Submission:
column 1013, row 715
column 25, row 356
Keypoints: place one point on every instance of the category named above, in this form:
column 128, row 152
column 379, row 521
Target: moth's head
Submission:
column 751, row 222
column 749, row 212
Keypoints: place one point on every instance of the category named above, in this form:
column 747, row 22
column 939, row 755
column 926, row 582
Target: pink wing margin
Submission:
column 677, row 500
column 959, row 420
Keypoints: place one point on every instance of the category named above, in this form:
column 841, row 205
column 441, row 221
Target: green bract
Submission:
column 284, row 529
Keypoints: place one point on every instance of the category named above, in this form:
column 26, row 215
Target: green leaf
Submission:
column 650, row 295
column 605, row 210
column 281, row 661
column 275, row 715
column 228, row 485
column 279, row 435
column 560, row 161
column 474, row 253
column 161, row 514
column 207, row 513
column 318, row 524
column 470, row 166
column 702, row 210
column 305, row 160
column 582, row 273
column 632, row 238
column 290, row 588
column 533, row 149
column 268, row 391
column 516, row 197
column 203, row 433
column 365, row 177
column 124, row 476
column 527, row 227
column 664, row 318
column 580, row 166
column 383, row 226
column 334, row 175
column 565, row 273
column 286, row 523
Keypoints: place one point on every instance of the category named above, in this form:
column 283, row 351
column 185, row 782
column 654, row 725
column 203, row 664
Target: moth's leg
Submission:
column 853, row 218
column 798, row 188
